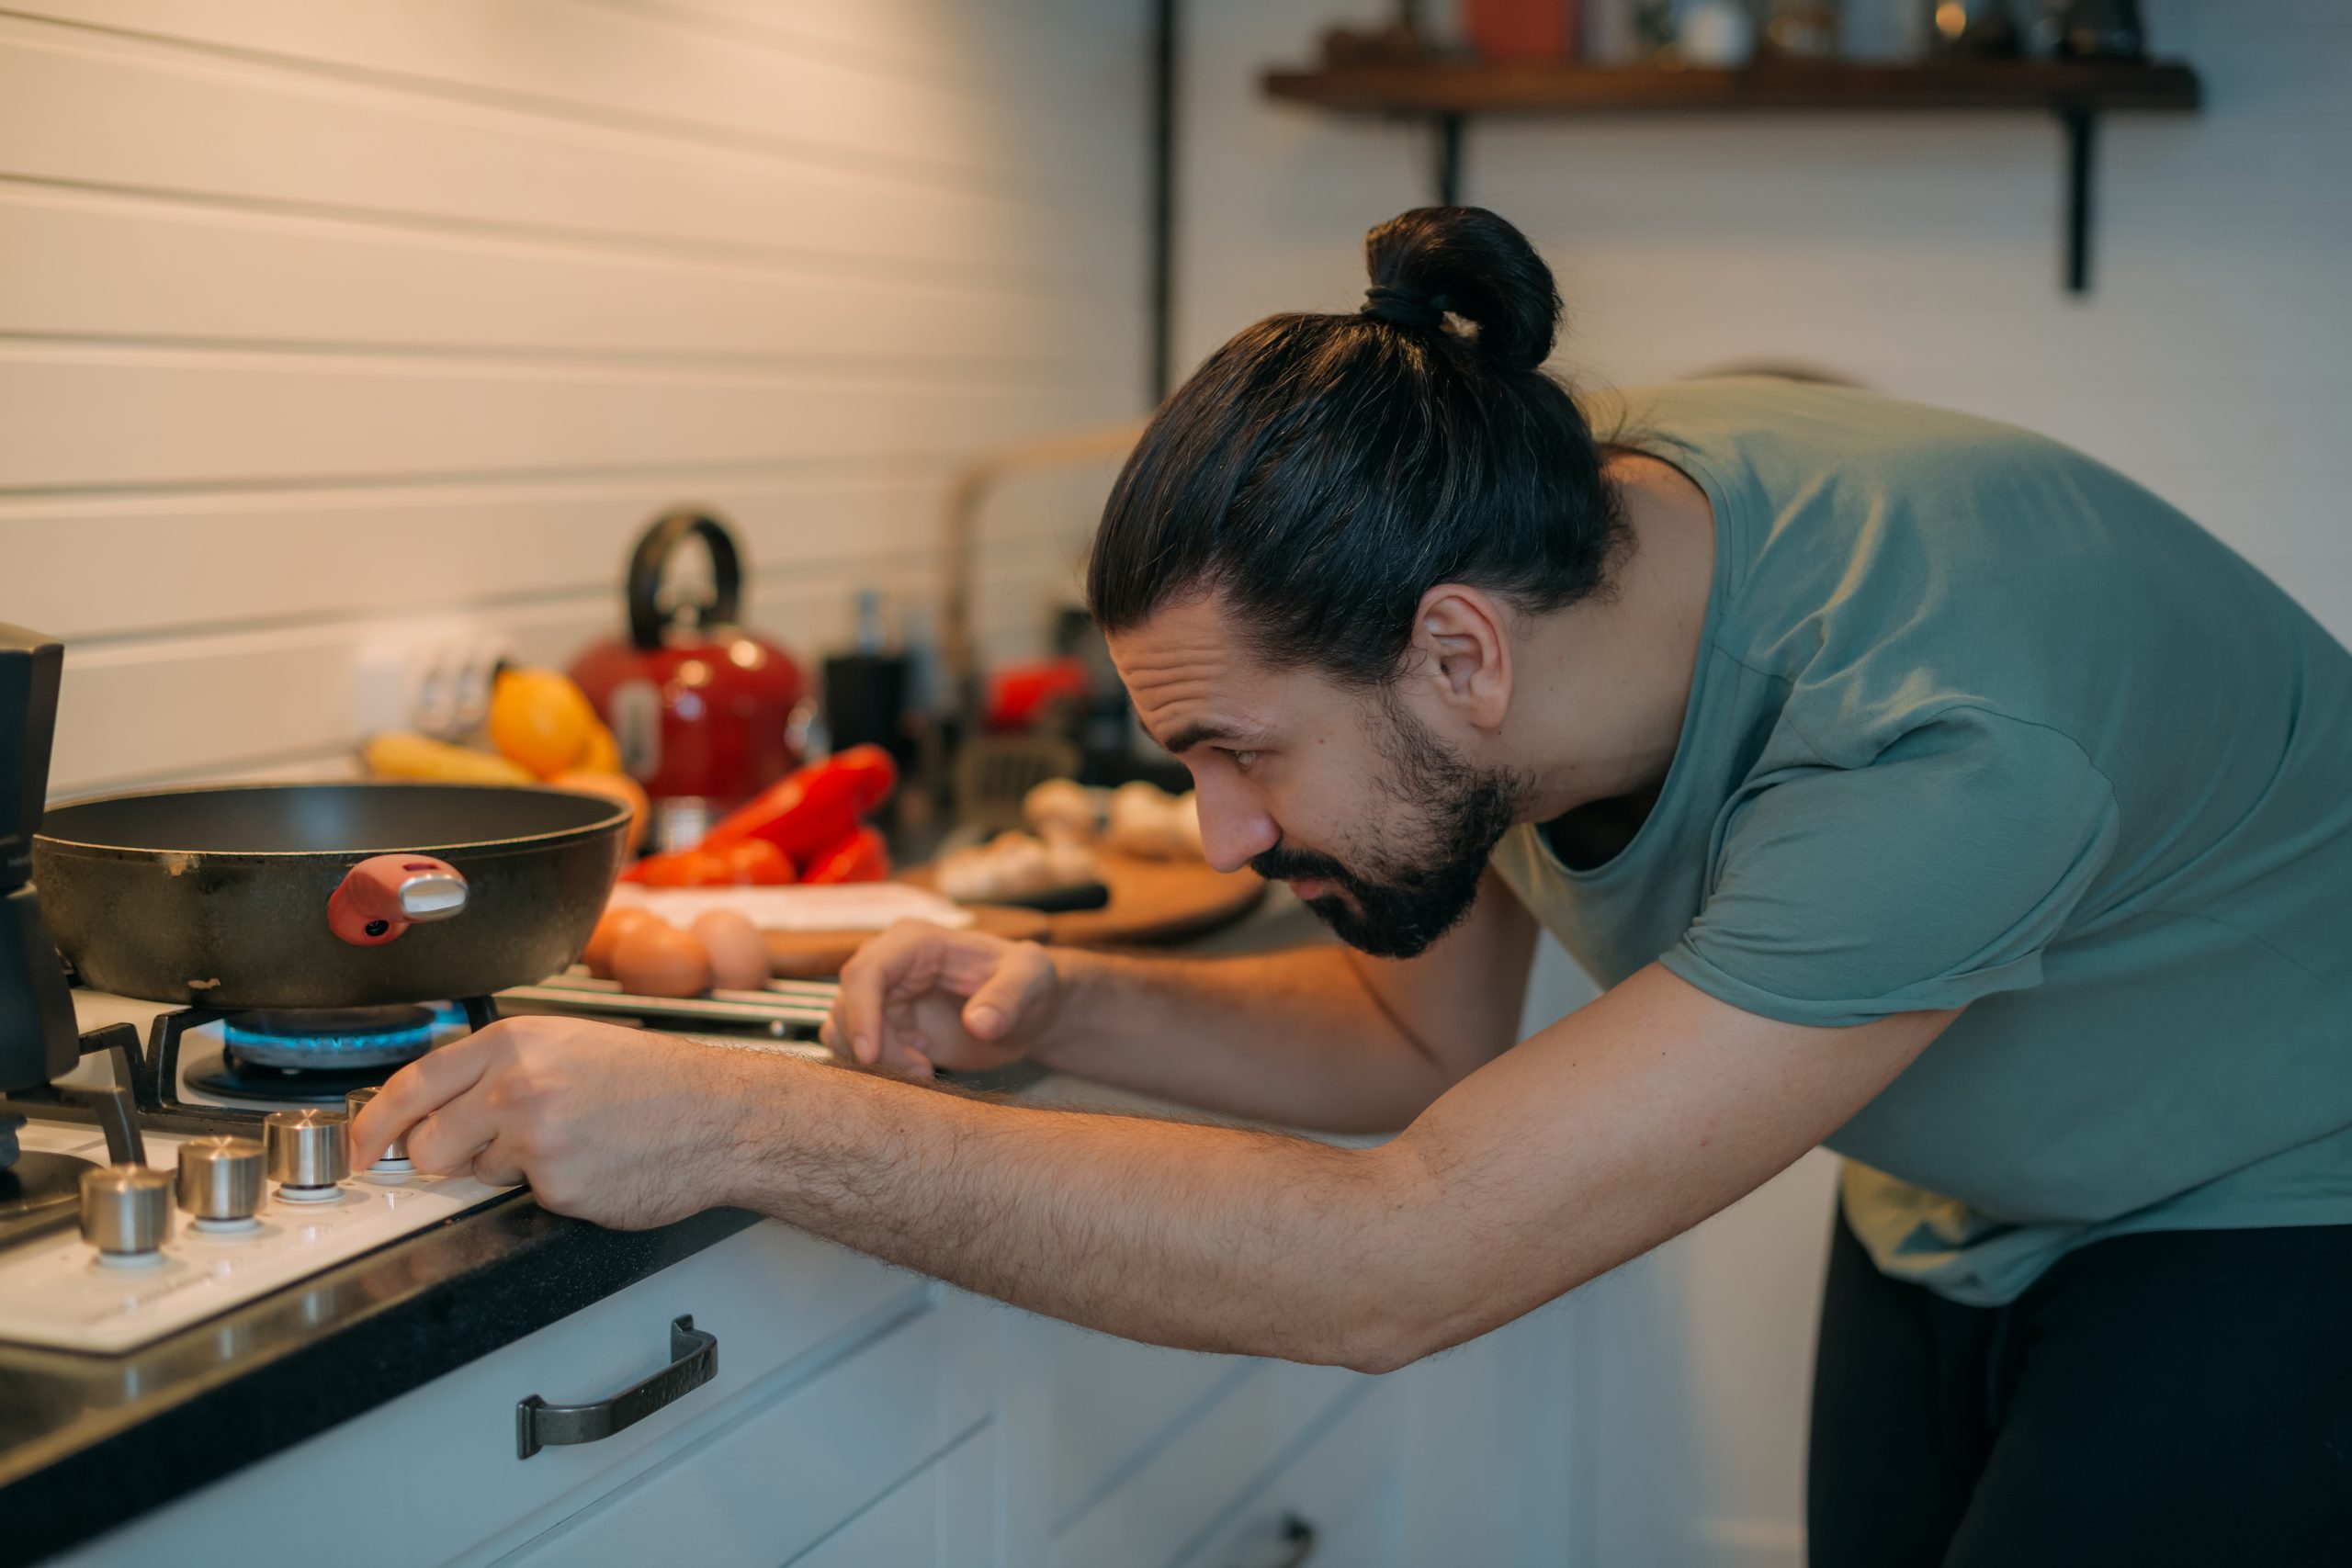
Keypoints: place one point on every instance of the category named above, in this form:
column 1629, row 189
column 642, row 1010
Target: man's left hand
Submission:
column 615, row 1125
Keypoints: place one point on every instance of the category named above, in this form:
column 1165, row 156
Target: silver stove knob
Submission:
column 220, row 1181
column 307, row 1154
column 126, row 1212
column 396, row 1156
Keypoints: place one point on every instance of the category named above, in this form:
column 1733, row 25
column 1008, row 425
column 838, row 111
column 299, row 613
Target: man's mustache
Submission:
column 1278, row 864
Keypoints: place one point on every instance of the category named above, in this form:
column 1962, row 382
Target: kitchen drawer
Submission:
column 1204, row 1468
column 1337, row 1505
column 1113, row 1402
column 939, row 1518
column 438, row 1466
column 807, row 1455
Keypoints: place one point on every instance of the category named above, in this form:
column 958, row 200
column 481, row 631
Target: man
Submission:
column 1916, row 785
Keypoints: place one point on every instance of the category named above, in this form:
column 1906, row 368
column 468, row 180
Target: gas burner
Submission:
column 339, row 1038
column 313, row 1055
column 228, row 1073
column 39, row 1190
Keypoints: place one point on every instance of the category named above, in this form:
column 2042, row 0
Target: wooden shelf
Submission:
column 1448, row 93
column 1440, row 86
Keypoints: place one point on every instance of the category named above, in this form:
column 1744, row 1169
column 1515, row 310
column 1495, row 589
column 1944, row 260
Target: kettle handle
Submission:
column 652, row 558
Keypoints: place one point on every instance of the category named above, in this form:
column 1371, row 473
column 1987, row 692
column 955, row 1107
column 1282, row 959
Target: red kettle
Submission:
column 702, row 711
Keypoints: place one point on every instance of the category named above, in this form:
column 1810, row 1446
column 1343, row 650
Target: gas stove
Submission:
column 60, row 1290
column 188, row 1106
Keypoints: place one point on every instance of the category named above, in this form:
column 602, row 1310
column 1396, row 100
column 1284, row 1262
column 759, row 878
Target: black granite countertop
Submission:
column 88, row 1441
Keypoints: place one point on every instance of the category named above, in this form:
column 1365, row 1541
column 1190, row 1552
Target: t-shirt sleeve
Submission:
column 1932, row 876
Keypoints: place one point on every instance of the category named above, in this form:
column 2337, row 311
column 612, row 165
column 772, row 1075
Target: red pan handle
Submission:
column 384, row 894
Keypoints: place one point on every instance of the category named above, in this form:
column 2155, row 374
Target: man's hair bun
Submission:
column 1464, row 261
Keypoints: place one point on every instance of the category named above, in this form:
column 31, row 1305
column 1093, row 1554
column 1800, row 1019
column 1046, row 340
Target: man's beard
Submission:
column 1396, row 902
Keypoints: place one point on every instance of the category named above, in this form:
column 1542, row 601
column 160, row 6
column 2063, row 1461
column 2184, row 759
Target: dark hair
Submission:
column 1324, row 471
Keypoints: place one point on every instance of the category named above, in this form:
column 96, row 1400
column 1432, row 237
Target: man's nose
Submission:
column 1233, row 827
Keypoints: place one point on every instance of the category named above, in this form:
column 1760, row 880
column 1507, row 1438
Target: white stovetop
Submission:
column 54, row 1291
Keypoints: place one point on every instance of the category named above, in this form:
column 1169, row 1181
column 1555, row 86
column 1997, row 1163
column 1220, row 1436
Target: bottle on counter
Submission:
column 866, row 689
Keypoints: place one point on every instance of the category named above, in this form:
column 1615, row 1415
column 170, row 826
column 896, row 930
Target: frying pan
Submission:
column 313, row 895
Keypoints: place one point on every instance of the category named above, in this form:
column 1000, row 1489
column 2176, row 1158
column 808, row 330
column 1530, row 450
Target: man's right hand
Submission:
column 921, row 995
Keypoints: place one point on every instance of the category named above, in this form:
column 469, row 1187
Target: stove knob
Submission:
column 219, row 1183
column 395, row 1157
column 127, row 1214
column 307, row 1154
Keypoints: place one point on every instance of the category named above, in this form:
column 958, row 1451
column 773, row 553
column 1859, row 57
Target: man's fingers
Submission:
column 449, row 1138
column 998, row 1004
column 903, row 1052
column 416, row 1092
column 498, row 1165
column 903, row 962
column 856, row 1019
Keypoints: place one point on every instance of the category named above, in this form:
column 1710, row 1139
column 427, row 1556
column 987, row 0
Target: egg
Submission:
column 614, row 925
column 739, row 958
column 655, row 958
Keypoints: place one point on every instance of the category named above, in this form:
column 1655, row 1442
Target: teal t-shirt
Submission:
column 1976, row 721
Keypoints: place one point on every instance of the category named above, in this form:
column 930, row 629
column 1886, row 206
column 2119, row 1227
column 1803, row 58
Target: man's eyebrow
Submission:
column 1193, row 735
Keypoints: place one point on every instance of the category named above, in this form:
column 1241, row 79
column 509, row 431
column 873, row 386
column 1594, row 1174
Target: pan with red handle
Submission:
column 325, row 895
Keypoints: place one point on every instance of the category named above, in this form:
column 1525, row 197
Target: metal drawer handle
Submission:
column 693, row 1362
column 1300, row 1537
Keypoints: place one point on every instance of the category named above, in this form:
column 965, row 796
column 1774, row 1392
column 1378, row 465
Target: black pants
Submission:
column 2179, row 1397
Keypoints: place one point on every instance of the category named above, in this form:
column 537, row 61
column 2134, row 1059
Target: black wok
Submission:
column 347, row 895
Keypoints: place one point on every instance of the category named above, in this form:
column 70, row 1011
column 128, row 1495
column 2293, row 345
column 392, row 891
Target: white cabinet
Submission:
column 860, row 1415
column 1201, row 1471
column 937, row 1518
column 1178, row 1460
column 1106, row 1406
column 435, row 1475
column 1335, row 1505
column 774, row 1480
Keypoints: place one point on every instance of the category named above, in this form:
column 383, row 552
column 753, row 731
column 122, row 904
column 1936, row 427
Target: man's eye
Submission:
column 1242, row 760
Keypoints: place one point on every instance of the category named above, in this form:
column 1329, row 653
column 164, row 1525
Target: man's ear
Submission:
column 1462, row 647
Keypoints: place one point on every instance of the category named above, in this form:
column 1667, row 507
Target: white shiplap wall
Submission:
column 2213, row 362
column 315, row 318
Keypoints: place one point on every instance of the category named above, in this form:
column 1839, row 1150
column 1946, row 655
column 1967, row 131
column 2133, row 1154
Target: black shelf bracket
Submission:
column 1449, row 127
column 2081, row 149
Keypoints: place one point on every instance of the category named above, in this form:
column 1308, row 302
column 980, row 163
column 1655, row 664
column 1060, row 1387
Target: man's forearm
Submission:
column 1291, row 1037
column 1209, row 1239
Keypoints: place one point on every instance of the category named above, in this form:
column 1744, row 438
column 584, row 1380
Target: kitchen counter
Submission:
column 854, row 1414
column 88, row 1441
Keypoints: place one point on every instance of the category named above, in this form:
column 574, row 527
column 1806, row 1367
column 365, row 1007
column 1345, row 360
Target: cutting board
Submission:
column 819, row 955
column 1158, row 901
column 1151, row 902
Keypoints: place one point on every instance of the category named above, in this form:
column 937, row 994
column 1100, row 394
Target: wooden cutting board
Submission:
column 1151, row 902
column 1158, row 901
column 819, row 955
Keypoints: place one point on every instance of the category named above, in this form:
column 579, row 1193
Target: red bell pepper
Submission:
column 752, row 863
column 811, row 810
column 861, row 857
